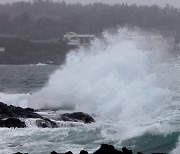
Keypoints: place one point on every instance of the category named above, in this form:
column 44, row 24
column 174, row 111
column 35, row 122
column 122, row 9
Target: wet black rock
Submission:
column 29, row 109
column 83, row 152
column 12, row 122
column 76, row 117
column 7, row 111
column 69, row 152
column 104, row 149
column 10, row 111
column 126, row 151
column 20, row 153
column 9, row 117
column 46, row 123
column 158, row 153
column 54, row 152
column 107, row 149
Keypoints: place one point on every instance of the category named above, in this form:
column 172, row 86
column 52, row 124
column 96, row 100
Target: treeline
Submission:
column 46, row 19
column 20, row 51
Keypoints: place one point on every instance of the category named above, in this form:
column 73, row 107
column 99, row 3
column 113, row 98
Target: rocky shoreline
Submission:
column 104, row 149
column 15, row 117
column 12, row 116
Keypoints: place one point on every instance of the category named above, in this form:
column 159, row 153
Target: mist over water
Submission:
column 123, row 74
column 128, row 80
column 130, row 72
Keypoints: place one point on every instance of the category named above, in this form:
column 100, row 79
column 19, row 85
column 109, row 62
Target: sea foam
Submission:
column 128, row 80
column 123, row 75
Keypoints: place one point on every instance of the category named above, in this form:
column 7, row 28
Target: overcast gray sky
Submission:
column 175, row 3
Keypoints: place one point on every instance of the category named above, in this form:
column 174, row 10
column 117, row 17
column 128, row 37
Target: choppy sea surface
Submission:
column 129, row 83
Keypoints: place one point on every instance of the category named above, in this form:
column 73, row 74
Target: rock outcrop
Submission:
column 46, row 123
column 104, row 149
column 83, row 152
column 76, row 117
column 108, row 149
column 12, row 122
column 20, row 153
column 7, row 111
column 69, row 152
column 10, row 117
column 54, row 152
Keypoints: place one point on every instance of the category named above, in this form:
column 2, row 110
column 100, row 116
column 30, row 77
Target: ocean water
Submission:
column 128, row 81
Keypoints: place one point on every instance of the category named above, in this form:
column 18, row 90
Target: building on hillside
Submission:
column 2, row 49
column 78, row 39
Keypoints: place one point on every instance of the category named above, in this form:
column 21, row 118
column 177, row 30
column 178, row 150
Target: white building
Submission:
column 2, row 49
column 78, row 39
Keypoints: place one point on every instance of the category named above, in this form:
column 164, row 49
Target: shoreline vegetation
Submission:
column 45, row 19
column 32, row 32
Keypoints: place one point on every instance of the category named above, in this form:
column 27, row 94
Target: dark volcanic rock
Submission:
column 18, row 112
column 158, row 153
column 20, row 153
column 77, row 116
column 10, row 111
column 54, row 152
column 46, row 123
column 107, row 149
column 12, row 122
column 29, row 109
column 126, row 151
column 83, row 152
column 69, row 152
column 9, row 117
column 104, row 149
